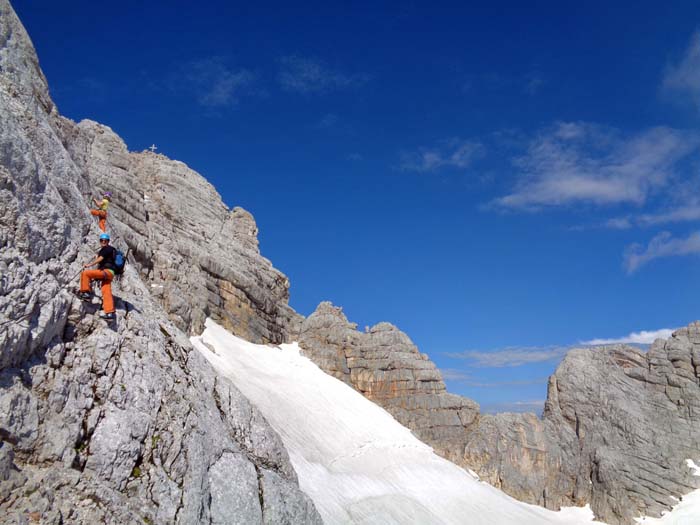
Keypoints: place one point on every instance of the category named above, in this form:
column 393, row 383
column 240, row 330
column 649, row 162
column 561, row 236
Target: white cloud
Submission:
column 687, row 212
column 454, row 153
column 663, row 245
column 511, row 357
column 583, row 163
column 214, row 83
column 452, row 374
column 459, row 376
column 309, row 75
column 641, row 338
column 684, row 77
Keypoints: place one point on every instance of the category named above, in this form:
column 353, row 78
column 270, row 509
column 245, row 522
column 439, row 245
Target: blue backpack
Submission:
column 119, row 262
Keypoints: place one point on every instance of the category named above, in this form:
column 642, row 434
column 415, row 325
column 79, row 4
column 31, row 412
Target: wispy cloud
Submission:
column 328, row 120
column 576, row 162
column 213, row 82
column 643, row 337
column 511, row 356
column 533, row 83
column 452, row 153
column 663, row 245
column 685, row 207
column 536, row 406
column 687, row 212
column 464, row 378
column 452, row 374
column 684, row 77
column 309, row 75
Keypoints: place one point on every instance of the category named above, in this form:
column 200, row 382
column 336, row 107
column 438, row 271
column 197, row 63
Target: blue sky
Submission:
column 501, row 181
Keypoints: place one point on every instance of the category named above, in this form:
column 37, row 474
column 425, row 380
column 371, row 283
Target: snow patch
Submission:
column 354, row 460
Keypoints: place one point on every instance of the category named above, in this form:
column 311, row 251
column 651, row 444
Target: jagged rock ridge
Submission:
column 121, row 423
column 604, row 439
column 200, row 258
column 385, row 366
column 129, row 424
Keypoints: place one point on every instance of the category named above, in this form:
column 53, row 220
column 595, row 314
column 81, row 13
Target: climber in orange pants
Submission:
column 101, row 210
column 105, row 273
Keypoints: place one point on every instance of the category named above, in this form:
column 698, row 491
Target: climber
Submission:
column 105, row 273
column 101, row 212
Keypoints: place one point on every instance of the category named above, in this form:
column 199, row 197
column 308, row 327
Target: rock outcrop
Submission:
column 617, row 429
column 631, row 420
column 123, row 422
column 126, row 423
column 385, row 366
column 200, row 258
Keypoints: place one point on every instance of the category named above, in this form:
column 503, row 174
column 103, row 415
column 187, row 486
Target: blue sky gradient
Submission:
column 487, row 178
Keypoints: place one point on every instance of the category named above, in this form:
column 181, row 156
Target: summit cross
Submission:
column 153, row 148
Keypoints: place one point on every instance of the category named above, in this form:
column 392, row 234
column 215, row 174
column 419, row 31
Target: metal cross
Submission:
column 153, row 148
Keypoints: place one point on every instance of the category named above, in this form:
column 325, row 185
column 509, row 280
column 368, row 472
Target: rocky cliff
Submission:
column 199, row 258
column 124, row 423
column 385, row 366
column 617, row 429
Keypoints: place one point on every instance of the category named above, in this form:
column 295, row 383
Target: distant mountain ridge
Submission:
column 617, row 429
column 131, row 424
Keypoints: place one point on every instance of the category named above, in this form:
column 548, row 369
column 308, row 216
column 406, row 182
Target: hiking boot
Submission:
column 86, row 296
column 111, row 316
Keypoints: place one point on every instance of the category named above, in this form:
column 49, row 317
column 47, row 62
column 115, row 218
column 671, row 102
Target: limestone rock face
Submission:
column 617, row 429
column 200, row 258
column 631, row 419
column 126, row 423
column 122, row 422
column 385, row 366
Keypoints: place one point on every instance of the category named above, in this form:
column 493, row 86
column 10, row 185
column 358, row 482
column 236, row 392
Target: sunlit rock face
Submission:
column 617, row 428
column 200, row 258
column 383, row 364
column 629, row 420
column 121, row 422
column 124, row 423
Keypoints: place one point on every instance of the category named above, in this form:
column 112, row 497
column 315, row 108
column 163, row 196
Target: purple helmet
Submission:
column 108, row 194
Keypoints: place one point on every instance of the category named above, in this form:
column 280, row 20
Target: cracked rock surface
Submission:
column 122, row 422
column 617, row 428
column 126, row 423
column 199, row 258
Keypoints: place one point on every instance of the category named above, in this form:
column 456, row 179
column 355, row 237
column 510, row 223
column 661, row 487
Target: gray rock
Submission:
column 125, row 423
column 199, row 258
column 384, row 365
column 122, row 422
column 234, row 500
column 604, row 438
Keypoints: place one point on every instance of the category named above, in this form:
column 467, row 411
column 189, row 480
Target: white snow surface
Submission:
column 356, row 462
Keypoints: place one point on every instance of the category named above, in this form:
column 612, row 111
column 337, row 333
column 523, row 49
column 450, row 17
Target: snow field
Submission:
column 354, row 460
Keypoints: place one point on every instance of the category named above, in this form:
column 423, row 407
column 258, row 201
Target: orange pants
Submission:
column 102, row 223
column 99, row 275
